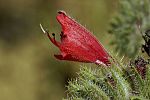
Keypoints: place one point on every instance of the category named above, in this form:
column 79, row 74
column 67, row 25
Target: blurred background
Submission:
column 28, row 70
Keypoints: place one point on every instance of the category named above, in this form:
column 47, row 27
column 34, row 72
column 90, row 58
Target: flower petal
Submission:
column 78, row 40
column 77, row 43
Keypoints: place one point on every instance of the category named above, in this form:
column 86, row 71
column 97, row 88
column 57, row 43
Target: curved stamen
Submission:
column 51, row 39
column 53, row 35
column 62, row 35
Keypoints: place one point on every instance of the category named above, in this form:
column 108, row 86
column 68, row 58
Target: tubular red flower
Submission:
column 77, row 43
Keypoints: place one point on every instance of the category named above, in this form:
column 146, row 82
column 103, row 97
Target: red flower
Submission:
column 77, row 43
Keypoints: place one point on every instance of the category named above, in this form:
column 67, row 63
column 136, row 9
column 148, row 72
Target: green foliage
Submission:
column 127, row 37
column 118, row 82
